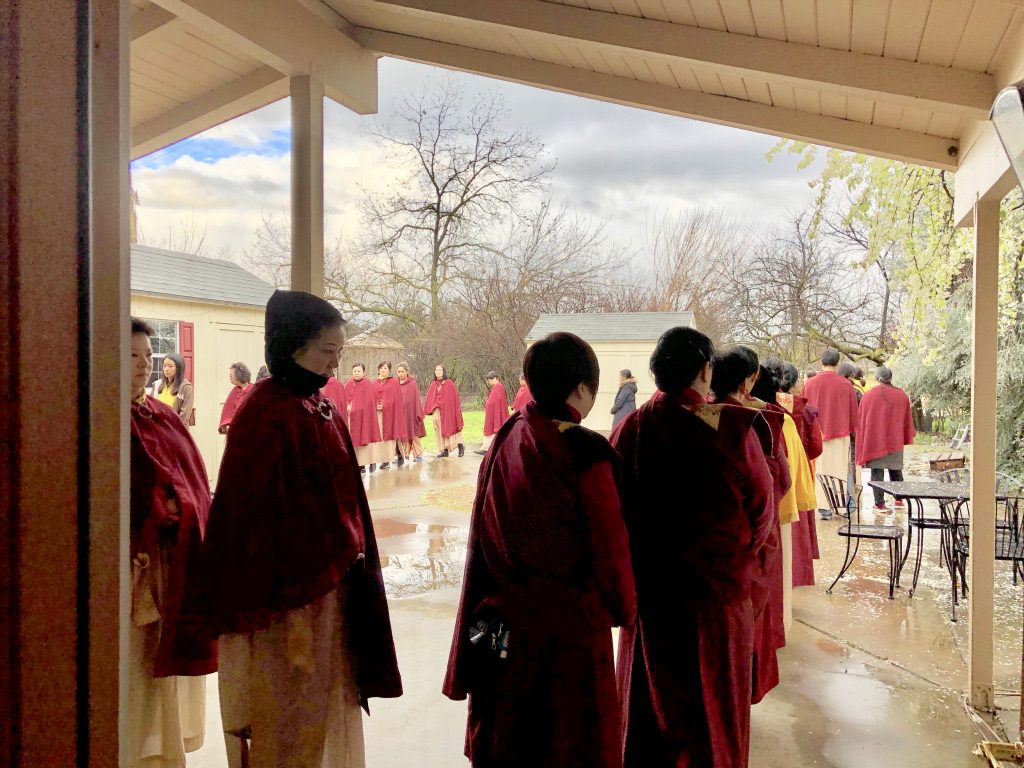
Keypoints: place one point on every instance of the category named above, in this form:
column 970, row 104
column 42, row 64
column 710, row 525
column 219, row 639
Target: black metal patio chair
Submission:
column 855, row 530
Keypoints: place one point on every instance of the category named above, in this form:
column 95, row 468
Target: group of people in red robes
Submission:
column 685, row 529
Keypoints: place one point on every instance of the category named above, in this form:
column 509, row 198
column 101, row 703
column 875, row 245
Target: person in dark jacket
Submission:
column 625, row 398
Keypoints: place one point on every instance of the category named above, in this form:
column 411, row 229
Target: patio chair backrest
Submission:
column 1005, row 483
column 835, row 492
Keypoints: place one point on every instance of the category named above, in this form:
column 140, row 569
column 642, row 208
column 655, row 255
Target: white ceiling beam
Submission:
column 238, row 97
column 152, row 22
column 292, row 39
column 924, row 86
column 818, row 129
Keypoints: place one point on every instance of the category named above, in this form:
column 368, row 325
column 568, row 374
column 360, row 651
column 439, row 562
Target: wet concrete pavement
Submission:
column 866, row 681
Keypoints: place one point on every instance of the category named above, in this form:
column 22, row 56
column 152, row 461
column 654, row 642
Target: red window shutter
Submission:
column 186, row 348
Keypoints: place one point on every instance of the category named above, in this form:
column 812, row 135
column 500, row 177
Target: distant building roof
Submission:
column 157, row 272
column 611, row 326
column 373, row 340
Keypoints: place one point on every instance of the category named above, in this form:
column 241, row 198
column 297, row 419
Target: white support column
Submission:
column 983, row 450
column 307, row 185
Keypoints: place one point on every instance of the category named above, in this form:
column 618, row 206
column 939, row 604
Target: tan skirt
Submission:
column 834, row 461
column 293, row 685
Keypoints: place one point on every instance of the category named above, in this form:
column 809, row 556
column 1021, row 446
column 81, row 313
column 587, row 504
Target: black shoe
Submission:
column 386, row 465
column 462, row 450
column 482, row 453
column 400, row 461
column 373, row 467
column 362, row 470
column 443, row 454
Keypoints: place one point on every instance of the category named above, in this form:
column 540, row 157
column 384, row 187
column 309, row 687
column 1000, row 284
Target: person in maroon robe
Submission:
column 411, row 448
column 495, row 410
column 886, row 426
column 362, row 416
column 292, row 579
column 805, row 415
column 390, row 415
column 170, row 503
column 547, row 576
column 334, row 390
column 523, row 395
column 443, row 405
column 698, row 505
column 836, row 401
column 736, row 372
column 241, row 383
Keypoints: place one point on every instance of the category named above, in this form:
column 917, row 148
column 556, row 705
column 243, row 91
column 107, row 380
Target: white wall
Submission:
column 613, row 356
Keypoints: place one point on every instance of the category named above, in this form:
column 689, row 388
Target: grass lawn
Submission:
column 472, row 431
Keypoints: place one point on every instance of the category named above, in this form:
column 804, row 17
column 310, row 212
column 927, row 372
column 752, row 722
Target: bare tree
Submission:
column 187, row 235
column 466, row 173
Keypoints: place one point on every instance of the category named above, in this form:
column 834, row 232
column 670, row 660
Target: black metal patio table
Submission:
column 915, row 493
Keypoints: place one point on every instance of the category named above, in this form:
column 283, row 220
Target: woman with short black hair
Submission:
column 684, row 667
column 292, row 579
column 547, row 576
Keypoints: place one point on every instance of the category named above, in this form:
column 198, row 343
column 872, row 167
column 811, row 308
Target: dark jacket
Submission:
column 625, row 401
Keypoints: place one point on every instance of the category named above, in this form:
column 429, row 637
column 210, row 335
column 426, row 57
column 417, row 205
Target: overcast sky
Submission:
column 614, row 163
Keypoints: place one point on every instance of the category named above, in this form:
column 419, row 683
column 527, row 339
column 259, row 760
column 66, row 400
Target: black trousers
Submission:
column 877, row 475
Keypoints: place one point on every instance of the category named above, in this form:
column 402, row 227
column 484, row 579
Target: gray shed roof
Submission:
column 157, row 272
column 611, row 326
column 373, row 340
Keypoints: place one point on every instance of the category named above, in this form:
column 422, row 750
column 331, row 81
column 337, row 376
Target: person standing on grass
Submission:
column 886, row 426
column 836, row 402
column 495, row 410
column 443, row 404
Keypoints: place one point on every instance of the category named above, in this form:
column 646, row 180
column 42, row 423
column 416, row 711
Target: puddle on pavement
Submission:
column 420, row 557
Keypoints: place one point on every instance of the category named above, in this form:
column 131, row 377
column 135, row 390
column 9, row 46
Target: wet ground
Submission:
column 866, row 681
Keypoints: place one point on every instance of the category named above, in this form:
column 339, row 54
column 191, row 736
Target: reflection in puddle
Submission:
column 419, row 558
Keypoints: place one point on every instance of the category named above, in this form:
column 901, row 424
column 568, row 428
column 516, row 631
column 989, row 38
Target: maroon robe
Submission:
column 444, row 395
column 165, row 465
column 495, row 409
column 334, row 390
column 388, row 393
column 290, row 523
column 886, row 423
column 412, row 408
column 549, row 556
column 231, row 405
column 767, row 587
column 699, row 508
column 362, row 419
column 836, row 401
column 522, row 397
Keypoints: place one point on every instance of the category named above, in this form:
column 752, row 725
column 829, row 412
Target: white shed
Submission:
column 621, row 340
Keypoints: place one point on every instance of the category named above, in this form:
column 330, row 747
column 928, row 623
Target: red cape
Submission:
column 413, row 408
column 549, row 555
column 496, row 409
column 684, row 669
column 165, row 464
column 362, row 419
column 805, row 530
column 522, row 397
column 444, row 395
column 886, row 423
column 334, row 390
column 389, row 394
column 231, row 405
column 289, row 523
column 836, row 401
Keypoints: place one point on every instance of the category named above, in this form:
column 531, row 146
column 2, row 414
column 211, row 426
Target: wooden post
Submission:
column 307, row 185
column 983, row 451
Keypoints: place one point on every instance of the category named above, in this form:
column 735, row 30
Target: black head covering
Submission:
column 293, row 320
